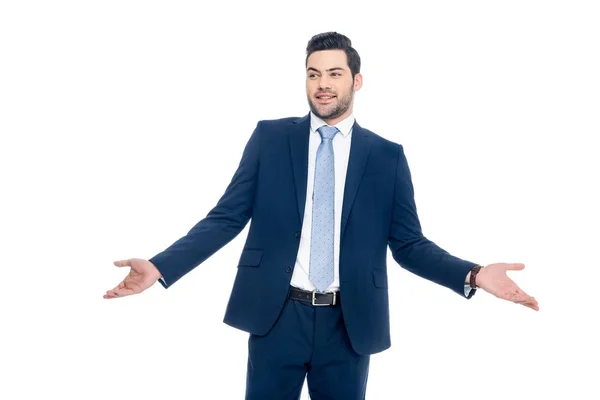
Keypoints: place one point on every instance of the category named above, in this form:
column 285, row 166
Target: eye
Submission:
column 336, row 73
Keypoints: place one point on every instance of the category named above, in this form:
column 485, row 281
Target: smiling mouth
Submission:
column 324, row 99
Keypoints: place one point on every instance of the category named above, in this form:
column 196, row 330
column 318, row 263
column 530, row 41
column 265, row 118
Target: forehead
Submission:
column 325, row 59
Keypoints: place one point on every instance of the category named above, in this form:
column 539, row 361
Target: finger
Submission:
column 516, row 266
column 110, row 295
column 119, row 286
column 534, row 307
column 120, row 292
column 531, row 303
column 123, row 263
column 527, row 300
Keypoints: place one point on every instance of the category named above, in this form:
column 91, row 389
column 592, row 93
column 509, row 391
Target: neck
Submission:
column 342, row 117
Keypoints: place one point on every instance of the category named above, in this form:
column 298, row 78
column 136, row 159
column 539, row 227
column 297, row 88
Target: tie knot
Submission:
column 327, row 132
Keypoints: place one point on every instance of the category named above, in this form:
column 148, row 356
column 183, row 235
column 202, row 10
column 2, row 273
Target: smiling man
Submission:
column 326, row 199
column 330, row 90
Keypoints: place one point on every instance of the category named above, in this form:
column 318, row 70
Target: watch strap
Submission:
column 474, row 271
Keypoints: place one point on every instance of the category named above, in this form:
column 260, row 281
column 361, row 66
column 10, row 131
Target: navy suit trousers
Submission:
column 306, row 342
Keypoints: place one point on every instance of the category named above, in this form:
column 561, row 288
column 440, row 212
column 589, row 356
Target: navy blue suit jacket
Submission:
column 269, row 188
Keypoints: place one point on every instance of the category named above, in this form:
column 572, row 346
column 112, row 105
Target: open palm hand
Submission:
column 142, row 275
column 493, row 279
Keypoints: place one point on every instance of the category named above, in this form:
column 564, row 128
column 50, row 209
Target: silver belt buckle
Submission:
column 318, row 305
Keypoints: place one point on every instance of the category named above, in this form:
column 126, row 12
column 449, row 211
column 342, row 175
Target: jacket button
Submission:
column 288, row 269
column 297, row 234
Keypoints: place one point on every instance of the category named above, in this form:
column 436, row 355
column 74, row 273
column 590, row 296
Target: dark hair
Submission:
column 334, row 41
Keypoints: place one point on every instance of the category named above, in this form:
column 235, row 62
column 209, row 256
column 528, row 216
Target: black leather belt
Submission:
column 315, row 298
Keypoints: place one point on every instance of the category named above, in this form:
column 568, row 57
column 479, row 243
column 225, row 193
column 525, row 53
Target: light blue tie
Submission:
column 321, row 237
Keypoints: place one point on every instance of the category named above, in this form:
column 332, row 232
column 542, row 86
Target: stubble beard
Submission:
column 342, row 106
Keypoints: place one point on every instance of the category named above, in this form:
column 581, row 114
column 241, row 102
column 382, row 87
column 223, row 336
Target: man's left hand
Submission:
column 493, row 279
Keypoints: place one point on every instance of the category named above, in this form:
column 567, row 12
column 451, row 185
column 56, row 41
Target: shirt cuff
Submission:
column 161, row 280
column 469, row 291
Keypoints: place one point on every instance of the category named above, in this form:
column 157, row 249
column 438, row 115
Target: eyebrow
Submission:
column 327, row 70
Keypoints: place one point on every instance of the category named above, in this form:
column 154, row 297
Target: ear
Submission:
column 358, row 81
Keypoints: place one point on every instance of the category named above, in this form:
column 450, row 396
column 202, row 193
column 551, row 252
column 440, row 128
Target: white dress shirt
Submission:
column 341, row 154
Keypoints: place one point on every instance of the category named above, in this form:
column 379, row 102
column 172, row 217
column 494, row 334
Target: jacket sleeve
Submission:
column 221, row 225
column 413, row 251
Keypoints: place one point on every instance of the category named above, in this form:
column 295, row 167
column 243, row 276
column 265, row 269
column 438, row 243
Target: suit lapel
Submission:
column 359, row 153
column 298, row 136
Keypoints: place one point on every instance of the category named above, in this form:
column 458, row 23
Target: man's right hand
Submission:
column 142, row 275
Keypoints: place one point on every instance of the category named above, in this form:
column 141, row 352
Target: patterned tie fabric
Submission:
column 321, row 242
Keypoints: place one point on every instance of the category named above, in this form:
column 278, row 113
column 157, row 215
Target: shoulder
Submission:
column 381, row 142
column 274, row 129
column 279, row 122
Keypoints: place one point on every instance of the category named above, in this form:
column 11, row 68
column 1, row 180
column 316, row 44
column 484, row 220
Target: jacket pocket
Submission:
column 250, row 258
column 380, row 278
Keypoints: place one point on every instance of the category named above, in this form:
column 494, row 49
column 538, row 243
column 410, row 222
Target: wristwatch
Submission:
column 474, row 271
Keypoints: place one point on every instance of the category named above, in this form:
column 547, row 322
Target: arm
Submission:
column 415, row 252
column 223, row 223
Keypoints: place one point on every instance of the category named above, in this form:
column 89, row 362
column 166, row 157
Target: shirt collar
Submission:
column 344, row 126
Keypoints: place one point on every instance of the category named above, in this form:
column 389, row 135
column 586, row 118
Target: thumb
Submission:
column 516, row 266
column 123, row 263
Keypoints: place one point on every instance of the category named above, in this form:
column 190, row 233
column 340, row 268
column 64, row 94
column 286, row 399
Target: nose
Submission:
column 324, row 83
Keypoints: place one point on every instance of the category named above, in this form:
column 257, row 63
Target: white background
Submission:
column 122, row 123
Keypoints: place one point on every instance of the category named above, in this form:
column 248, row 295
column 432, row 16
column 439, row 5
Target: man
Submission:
column 326, row 198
